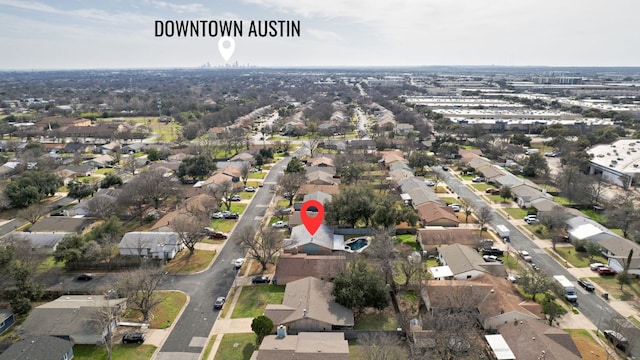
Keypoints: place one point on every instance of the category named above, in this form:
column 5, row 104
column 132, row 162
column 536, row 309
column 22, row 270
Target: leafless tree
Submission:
column 129, row 164
column 382, row 346
column 154, row 186
column 263, row 246
column 554, row 220
column 223, row 192
column 33, row 213
column 190, row 230
column 139, row 287
column 102, row 206
column 535, row 282
column 382, row 251
column 311, row 144
column 467, row 208
column 245, row 170
column 290, row 184
column 132, row 197
column 484, row 215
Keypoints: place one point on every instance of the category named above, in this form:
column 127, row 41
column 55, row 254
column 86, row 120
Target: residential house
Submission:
column 74, row 147
column 304, row 346
column 412, row 182
column 292, row 267
column 320, row 178
column 328, row 128
column 101, row 161
column 161, row 245
column 403, row 129
column 493, row 300
column 320, row 196
column 533, row 339
column 62, row 224
column 510, row 180
column 321, row 161
column 399, row 175
column 133, row 148
column 72, row 317
column 582, row 228
column 56, row 121
column 478, row 162
column 310, row 188
column 7, row 319
column 616, row 249
column 434, row 214
column 432, row 237
column 420, row 195
column 466, row 262
column 399, row 165
column 40, row 242
column 490, row 172
column 244, row 157
column 324, row 241
column 391, row 156
column 523, row 194
column 77, row 170
column 39, row 347
column 309, row 306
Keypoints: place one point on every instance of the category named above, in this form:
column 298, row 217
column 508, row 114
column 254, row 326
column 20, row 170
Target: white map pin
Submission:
column 226, row 46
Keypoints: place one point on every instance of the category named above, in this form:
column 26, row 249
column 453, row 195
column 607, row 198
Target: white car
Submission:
column 250, row 189
column 238, row 263
column 280, row 224
column 531, row 219
column 430, row 182
column 596, row 266
column 455, row 207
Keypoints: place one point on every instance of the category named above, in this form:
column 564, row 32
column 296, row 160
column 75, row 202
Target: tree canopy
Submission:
column 197, row 167
column 32, row 187
column 359, row 287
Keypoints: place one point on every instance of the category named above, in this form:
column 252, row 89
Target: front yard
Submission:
column 120, row 351
column 610, row 285
column 185, row 264
column 254, row 299
column 165, row 313
column 236, row 347
column 578, row 259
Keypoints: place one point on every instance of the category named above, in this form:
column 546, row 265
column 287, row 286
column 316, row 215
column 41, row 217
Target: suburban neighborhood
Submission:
column 466, row 215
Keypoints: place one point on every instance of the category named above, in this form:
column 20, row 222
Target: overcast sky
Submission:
column 85, row 34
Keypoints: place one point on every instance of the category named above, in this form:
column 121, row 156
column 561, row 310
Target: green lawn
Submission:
column 449, row 200
column 120, row 351
column 207, row 349
column 578, row 259
column 516, row 212
column 104, row 171
column 238, row 207
column 224, row 225
column 276, row 219
column 377, row 320
column 49, row 264
column 257, row 175
column 88, row 179
column 596, row 216
column 246, row 195
column 185, row 264
column 408, row 239
column 165, row 313
column 510, row 262
column 236, row 347
column 497, row 199
column 541, row 231
column 482, row 186
column 610, row 285
column 254, row 299
column 467, row 177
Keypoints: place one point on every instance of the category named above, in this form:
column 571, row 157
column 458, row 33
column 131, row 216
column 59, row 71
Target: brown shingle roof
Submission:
column 528, row 338
column 303, row 265
column 430, row 212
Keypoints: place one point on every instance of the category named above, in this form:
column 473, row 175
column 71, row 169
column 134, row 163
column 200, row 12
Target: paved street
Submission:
column 597, row 310
column 191, row 331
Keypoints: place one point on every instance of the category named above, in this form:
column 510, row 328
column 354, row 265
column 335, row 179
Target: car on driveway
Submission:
column 596, row 266
column 219, row 302
column 492, row 191
column 235, row 198
column 477, row 179
column 218, row 215
column 133, row 338
column 455, row 207
column 493, row 251
column 491, row 258
column 238, row 263
column 231, row 215
column 250, row 189
column 260, row 279
column 217, row 235
column 606, row 271
column 430, row 182
column 531, row 219
column 283, row 211
column 586, row 285
column 280, row 224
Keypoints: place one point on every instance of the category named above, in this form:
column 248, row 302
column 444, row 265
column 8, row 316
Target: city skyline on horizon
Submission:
column 334, row 34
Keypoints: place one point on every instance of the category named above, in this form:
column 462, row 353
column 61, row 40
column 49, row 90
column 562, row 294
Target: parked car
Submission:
column 58, row 213
column 455, row 207
column 552, row 154
column 280, row 224
column 617, row 339
column 586, row 285
column 535, row 267
column 235, row 198
column 606, row 271
column 492, row 191
column 477, row 179
column 287, row 195
column 219, row 302
column 283, row 211
column 445, row 168
column 218, row 215
column 531, row 219
column 596, row 266
column 133, row 338
column 217, row 235
column 231, row 215
column 430, row 182
column 493, row 251
column 84, row 277
column 238, row 263
column 525, row 256
column 491, row 258
column 249, row 189
column 260, row 279
column 255, row 170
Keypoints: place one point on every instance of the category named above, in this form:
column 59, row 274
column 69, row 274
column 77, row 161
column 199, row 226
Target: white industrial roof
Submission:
column 622, row 155
column 500, row 348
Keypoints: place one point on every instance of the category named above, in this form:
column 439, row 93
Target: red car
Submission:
column 492, row 191
column 605, row 270
column 217, row 235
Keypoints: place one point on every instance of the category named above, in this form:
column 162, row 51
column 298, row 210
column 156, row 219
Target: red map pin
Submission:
column 312, row 223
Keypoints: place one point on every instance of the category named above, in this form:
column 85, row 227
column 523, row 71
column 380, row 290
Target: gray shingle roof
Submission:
column 38, row 348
